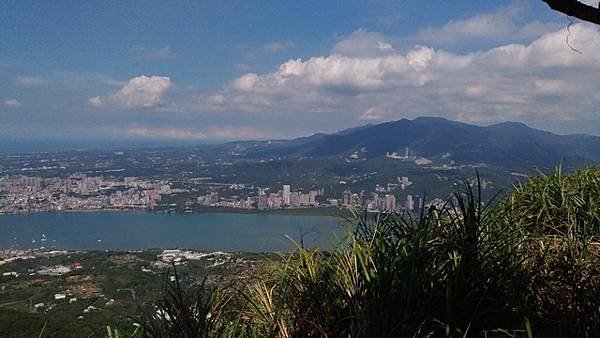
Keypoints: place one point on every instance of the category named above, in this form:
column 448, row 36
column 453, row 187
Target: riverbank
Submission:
column 323, row 211
column 328, row 211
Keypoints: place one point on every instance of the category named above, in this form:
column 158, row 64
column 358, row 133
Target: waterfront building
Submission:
column 390, row 203
column 286, row 194
column 410, row 204
column 262, row 201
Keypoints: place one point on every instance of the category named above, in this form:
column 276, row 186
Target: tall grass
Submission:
column 528, row 266
column 184, row 311
column 561, row 213
column 567, row 206
column 450, row 272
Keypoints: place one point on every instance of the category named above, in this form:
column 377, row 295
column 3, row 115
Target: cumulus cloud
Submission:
column 338, row 73
column 139, row 92
column 12, row 103
column 540, row 81
column 143, row 91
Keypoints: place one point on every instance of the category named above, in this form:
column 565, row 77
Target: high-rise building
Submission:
column 295, row 199
column 274, row 201
column 262, row 201
column 312, row 197
column 286, row 194
column 410, row 204
column 390, row 203
column 214, row 197
column 346, row 198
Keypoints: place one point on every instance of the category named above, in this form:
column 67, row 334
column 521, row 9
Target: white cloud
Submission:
column 541, row 81
column 480, row 26
column 385, row 47
column 12, row 103
column 345, row 74
column 166, row 133
column 95, row 101
column 143, row 91
column 30, row 80
column 211, row 133
column 363, row 43
column 139, row 92
column 245, row 82
column 505, row 24
column 374, row 114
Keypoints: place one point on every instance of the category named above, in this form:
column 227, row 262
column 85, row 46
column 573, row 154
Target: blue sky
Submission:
column 152, row 72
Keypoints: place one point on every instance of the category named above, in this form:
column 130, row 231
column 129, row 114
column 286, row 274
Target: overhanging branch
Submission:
column 576, row 9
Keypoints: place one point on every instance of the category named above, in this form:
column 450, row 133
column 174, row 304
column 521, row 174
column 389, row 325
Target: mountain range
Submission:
column 505, row 144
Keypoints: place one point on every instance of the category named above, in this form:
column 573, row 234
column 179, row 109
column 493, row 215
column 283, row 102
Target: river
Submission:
column 124, row 230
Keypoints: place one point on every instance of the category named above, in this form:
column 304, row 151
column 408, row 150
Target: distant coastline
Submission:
column 325, row 211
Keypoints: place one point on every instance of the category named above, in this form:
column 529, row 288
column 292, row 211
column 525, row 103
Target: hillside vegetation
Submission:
column 527, row 267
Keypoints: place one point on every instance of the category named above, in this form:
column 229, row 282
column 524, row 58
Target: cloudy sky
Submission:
column 158, row 72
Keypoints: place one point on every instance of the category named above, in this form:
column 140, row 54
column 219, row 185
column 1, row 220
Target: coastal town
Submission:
column 78, row 192
column 25, row 194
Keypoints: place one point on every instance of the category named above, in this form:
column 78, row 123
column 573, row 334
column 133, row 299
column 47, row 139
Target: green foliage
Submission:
column 183, row 311
column 116, row 333
column 561, row 214
column 529, row 266
column 557, row 204
column 449, row 272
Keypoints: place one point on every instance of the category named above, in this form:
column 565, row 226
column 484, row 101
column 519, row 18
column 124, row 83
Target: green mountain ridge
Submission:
column 507, row 143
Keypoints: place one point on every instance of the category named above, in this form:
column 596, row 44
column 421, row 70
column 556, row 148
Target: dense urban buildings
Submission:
column 78, row 192
column 25, row 194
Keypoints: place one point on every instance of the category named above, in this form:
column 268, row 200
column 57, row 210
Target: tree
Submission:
column 576, row 9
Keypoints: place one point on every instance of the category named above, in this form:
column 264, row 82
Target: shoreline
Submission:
column 324, row 212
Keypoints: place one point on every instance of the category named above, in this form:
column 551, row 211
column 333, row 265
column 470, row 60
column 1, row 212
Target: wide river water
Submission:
column 119, row 230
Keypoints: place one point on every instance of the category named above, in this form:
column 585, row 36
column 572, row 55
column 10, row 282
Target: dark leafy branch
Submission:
column 576, row 9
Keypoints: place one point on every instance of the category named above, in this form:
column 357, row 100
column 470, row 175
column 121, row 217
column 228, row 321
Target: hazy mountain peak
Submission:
column 510, row 124
column 430, row 119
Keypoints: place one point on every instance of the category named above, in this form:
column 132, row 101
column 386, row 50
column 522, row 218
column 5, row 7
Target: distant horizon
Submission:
column 53, row 144
column 133, row 73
